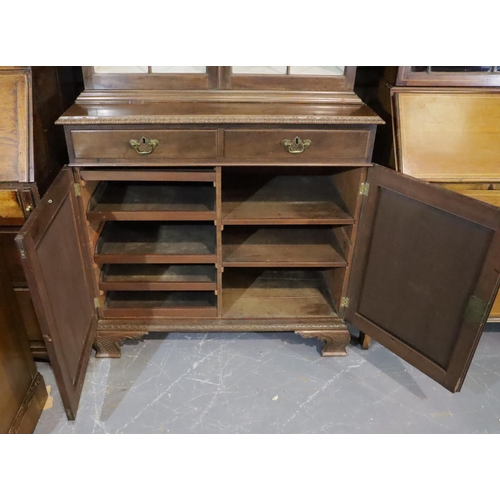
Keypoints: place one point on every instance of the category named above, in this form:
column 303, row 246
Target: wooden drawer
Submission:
column 338, row 146
column 11, row 210
column 172, row 144
column 488, row 192
column 448, row 135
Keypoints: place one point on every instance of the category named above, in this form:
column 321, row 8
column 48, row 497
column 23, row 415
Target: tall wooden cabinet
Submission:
column 245, row 199
column 32, row 152
column 443, row 126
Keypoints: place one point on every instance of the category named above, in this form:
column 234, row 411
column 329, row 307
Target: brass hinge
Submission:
column 476, row 311
column 78, row 188
column 344, row 302
column 97, row 303
column 364, row 188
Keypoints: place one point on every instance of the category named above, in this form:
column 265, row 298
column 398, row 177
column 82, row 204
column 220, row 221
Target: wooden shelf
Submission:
column 280, row 247
column 148, row 174
column 282, row 199
column 157, row 304
column 271, row 293
column 156, row 243
column 131, row 200
column 158, row 277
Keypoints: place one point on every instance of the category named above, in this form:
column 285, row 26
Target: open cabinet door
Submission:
column 57, row 263
column 425, row 273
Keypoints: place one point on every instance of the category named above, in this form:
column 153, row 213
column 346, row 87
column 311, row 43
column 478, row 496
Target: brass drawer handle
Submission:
column 144, row 146
column 296, row 146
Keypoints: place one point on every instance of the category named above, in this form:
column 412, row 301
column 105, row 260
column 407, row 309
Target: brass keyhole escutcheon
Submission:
column 144, row 146
column 296, row 146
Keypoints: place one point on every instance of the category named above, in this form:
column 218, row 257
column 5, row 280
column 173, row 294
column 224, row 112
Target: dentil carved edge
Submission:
column 335, row 341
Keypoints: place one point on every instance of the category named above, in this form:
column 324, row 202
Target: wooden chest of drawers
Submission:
column 262, row 212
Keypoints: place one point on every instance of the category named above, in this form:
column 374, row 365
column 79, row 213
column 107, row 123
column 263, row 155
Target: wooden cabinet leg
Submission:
column 108, row 346
column 335, row 341
column 364, row 340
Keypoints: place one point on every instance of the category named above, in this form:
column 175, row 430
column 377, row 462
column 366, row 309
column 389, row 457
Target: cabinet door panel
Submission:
column 57, row 263
column 425, row 273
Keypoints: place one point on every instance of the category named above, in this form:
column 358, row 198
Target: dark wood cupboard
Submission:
column 32, row 152
column 249, row 210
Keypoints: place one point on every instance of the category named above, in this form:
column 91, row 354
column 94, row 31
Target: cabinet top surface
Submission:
column 102, row 111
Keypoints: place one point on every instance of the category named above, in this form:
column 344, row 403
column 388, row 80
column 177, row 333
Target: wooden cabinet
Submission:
column 32, row 151
column 278, row 222
column 443, row 126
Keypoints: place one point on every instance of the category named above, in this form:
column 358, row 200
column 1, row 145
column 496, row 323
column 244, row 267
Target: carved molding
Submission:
column 109, row 347
column 188, row 119
column 335, row 341
column 218, row 327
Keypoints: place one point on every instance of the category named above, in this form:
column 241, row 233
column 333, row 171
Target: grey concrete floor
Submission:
column 273, row 383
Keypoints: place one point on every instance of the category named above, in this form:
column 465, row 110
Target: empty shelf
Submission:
column 271, row 293
column 156, row 243
column 280, row 246
column 148, row 304
column 152, row 201
column 158, row 277
column 283, row 199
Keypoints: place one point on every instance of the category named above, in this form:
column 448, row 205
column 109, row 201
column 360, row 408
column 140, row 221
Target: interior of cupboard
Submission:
column 277, row 293
column 274, row 235
column 295, row 195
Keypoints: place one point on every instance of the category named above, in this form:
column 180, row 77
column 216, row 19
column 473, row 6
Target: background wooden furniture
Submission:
column 21, row 386
column 249, row 210
column 32, row 151
column 442, row 125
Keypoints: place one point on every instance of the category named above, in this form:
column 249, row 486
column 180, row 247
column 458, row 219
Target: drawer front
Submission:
column 444, row 136
column 171, row 144
column 344, row 146
column 11, row 210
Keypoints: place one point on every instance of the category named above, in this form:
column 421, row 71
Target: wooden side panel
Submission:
column 448, row 136
column 57, row 264
column 425, row 273
column 21, row 387
column 15, row 130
